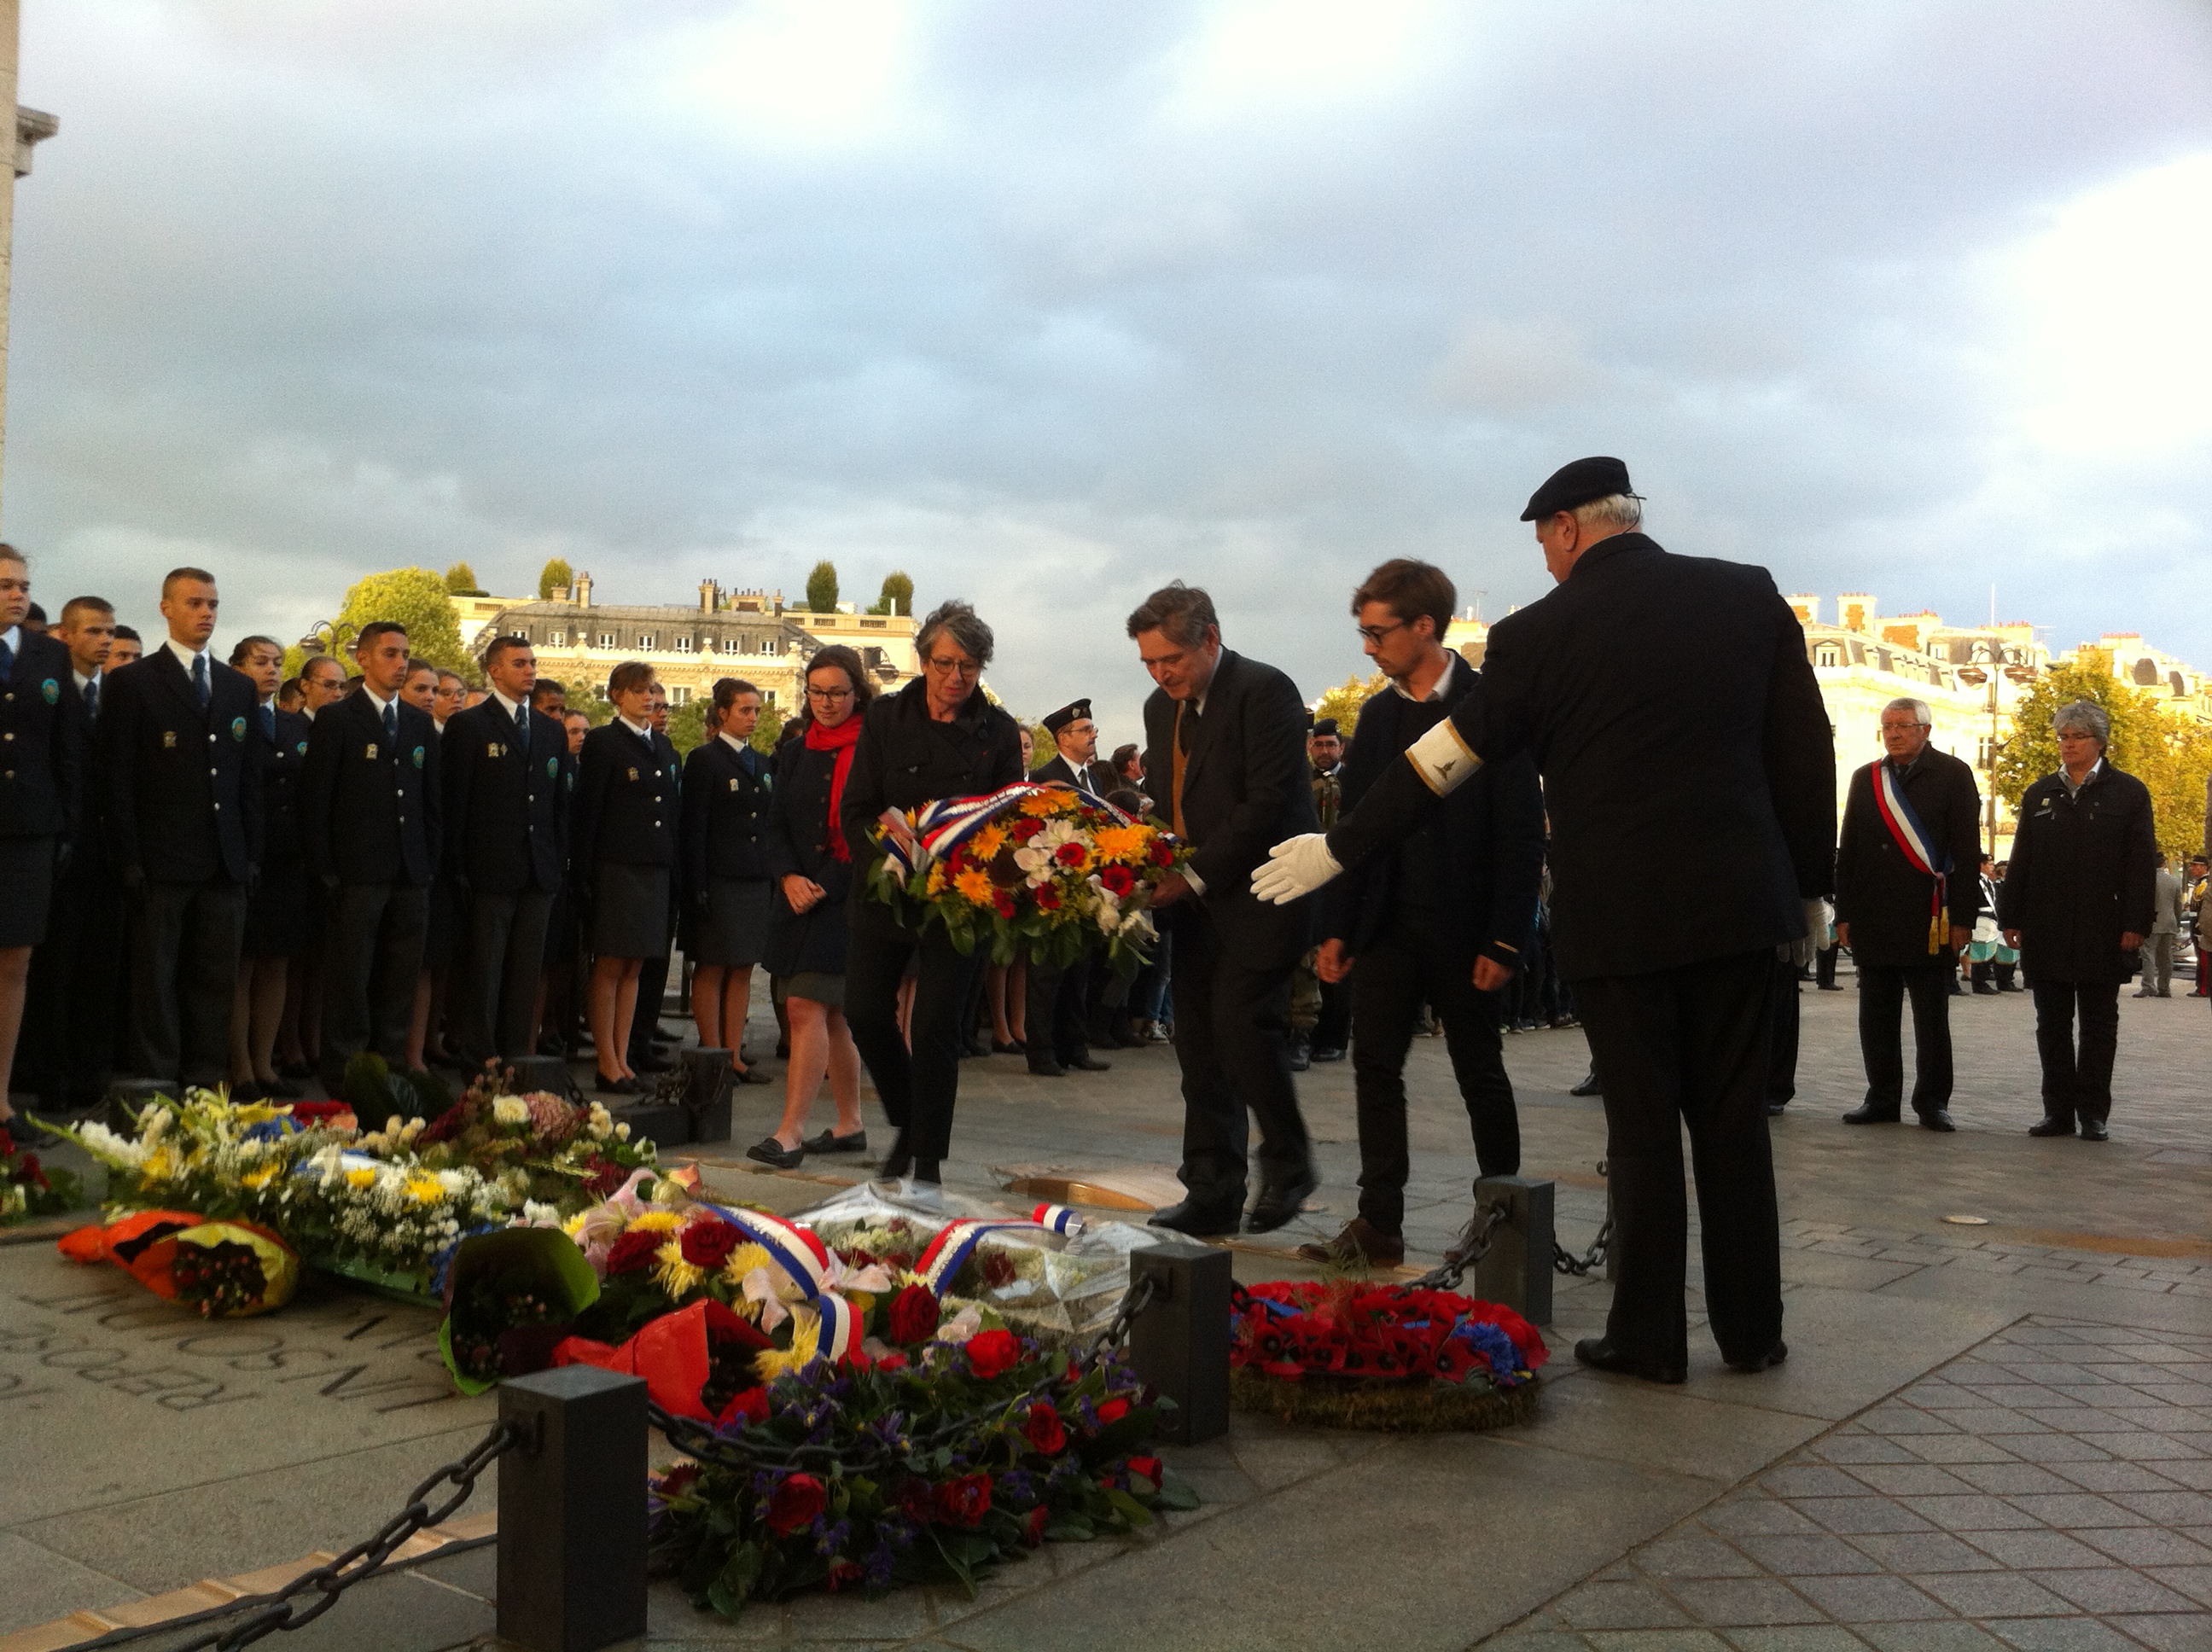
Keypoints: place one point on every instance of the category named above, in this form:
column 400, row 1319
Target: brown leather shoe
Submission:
column 1360, row 1244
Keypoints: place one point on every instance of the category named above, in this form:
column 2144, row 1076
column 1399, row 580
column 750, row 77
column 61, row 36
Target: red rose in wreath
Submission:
column 1033, row 1526
column 1048, row 898
column 1043, row 1427
column 1163, row 851
column 913, row 1316
column 1070, row 854
column 634, row 1252
column 1148, row 1468
column 917, row 1500
column 1003, row 901
column 965, row 1501
column 1112, row 1412
column 709, row 1243
column 994, row 1353
column 1119, row 881
column 603, row 1176
column 1025, row 829
column 795, row 1504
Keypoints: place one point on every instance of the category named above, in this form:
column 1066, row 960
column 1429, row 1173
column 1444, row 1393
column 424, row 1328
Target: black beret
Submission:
column 1577, row 484
column 1066, row 714
column 1324, row 726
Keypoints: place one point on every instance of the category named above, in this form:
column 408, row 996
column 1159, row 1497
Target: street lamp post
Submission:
column 2008, row 662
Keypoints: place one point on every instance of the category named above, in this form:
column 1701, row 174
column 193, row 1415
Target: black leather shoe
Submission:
column 830, row 1142
column 1013, row 1046
column 1983, row 989
column 1199, row 1221
column 1776, row 1109
column 1772, row 1356
column 2052, row 1128
column 1046, row 1069
column 651, row 1061
column 1588, row 1086
column 1868, row 1114
column 2093, row 1130
column 898, row 1161
column 1600, row 1353
column 1276, row 1205
column 1301, row 1056
column 1937, row 1118
column 617, row 1086
column 1089, row 1063
column 1327, row 1052
column 768, row 1150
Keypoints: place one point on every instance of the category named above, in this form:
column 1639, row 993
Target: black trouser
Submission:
column 68, row 1048
column 372, row 954
column 919, row 1085
column 1059, row 1012
column 2077, row 1082
column 1882, row 990
column 1233, row 1041
column 184, row 970
column 1824, row 966
column 1782, row 1064
column 1388, row 982
column 651, row 991
column 503, row 956
column 1333, row 1031
column 1689, row 1046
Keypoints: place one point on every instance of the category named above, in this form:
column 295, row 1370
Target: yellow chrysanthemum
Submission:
column 862, row 1301
column 425, row 1190
column 806, row 1343
column 360, row 1177
column 160, row 1166
column 574, row 1227
column 743, row 1261
column 987, row 842
column 1048, row 803
column 679, row 1277
column 654, row 1222
column 937, row 879
column 260, row 1178
column 974, row 886
column 1128, row 844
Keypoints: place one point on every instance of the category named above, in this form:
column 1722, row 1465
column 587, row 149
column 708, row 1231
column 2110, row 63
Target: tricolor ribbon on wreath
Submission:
column 954, row 1244
column 1914, row 841
column 805, row 1260
column 940, row 828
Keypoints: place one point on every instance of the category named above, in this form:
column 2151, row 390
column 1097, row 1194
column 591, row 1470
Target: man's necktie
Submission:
column 6, row 660
column 269, row 724
column 200, row 679
column 92, row 700
column 391, row 724
column 522, row 728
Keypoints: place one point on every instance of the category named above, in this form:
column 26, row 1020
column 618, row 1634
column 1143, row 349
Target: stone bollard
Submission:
column 547, row 1072
column 1180, row 1344
column 1517, row 1269
column 707, row 1086
column 572, row 1537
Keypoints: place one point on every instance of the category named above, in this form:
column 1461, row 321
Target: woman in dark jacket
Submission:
column 2077, row 901
column 807, row 856
column 277, row 912
column 727, row 789
column 622, row 855
column 937, row 737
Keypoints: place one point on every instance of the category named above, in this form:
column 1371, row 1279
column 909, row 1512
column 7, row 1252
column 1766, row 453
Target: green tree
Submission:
column 897, row 596
column 555, row 576
column 416, row 598
column 461, row 581
column 767, row 730
column 687, row 724
column 822, row 588
column 1344, row 701
column 2169, row 755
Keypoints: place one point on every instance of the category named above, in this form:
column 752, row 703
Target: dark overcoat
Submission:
column 2084, row 873
column 1880, row 893
column 907, row 759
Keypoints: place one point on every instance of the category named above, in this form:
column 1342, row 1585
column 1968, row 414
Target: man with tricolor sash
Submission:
column 1906, row 898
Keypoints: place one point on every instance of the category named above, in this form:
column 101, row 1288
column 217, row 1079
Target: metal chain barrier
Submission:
column 1472, row 1245
column 276, row 1610
column 1565, row 1261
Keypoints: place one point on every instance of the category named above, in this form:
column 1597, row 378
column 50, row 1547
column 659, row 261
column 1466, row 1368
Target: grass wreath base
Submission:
column 1390, row 1406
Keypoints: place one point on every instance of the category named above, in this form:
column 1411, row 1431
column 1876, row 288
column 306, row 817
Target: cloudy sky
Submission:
column 1047, row 303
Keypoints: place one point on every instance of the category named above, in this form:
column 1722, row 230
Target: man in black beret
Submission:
column 1075, row 763
column 1320, row 1014
column 1059, row 997
column 1721, row 770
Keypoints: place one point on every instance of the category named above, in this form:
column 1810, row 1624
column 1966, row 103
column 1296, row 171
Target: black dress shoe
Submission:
column 1772, row 1356
column 1869, row 1113
column 1087, row 1062
column 748, row 1076
column 770, row 1151
column 617, row 1086
column 1011, row 1047
column 1937, row 1118
column 1776, row 1109
column 1301, row 1055
column 1276, row 1205
column 1827, row 987
column 1600, row 1353
column 899, row 1161
column 2093, row 1130
column 1983, row 989
column 1327, row 1052
column 1046, row 1069
column 1199, row 1221
column 1588, row 1086
column 2052, row 1128
column 830, row 1142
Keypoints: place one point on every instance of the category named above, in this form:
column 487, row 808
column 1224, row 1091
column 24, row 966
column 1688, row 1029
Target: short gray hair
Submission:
column 1179, row 613
column 1615, row 510
column 2086, row 717
column 1920, row 708
column 958, row 620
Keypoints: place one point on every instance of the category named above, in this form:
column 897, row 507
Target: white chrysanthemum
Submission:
column 510, row 1109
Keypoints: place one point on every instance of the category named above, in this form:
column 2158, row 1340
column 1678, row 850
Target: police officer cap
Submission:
column 1577, row 484
column 1323, row 726
column 1074, row 710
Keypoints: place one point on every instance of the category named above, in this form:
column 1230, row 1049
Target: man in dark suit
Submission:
column 180, row 761
column 1225, row 747
column 1059, row 996
column 1906, row 898
column 369, row 827
column 505, row 787
column 41, row 761
column 1445, row 921
column 1717, row 765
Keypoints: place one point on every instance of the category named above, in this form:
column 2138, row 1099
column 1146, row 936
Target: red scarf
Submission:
column 841, row 740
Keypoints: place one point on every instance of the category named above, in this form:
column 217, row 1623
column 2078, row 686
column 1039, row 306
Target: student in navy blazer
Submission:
column 728, row 785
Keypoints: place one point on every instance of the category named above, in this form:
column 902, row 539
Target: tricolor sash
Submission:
column 954, row 1245
column 942, row 827
column 1915, row 843
column 1058, row 1218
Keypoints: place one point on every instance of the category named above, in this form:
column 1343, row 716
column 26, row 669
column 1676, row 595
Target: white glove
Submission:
column 1296, row 867
column 1819, row 918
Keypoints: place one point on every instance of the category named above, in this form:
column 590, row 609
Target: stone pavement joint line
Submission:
column 2049, row 1490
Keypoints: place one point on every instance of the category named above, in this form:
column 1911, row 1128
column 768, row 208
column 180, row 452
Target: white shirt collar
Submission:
column 643, row 731
column 733, row 742
column 185, row 656
column 510, row 707
column 13, row 636
column 378, row 701
column 85, row 681
column 1452, row 663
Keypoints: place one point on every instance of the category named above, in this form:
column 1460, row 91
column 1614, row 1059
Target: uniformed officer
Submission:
column 727, row 785
column 648, row 1037
column 1320, row 1010
column 179, row 763
column 41, row 755
column 278, row 926
column 622, row 855
column 1058, row 1018
column 370, row 807
column 1076, row 761
column 505, row 789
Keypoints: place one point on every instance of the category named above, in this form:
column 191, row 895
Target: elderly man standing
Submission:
column 1905, row 901
column 1225, row 745
column 2165, row 935
column 1721, row 769
column 2078, row 901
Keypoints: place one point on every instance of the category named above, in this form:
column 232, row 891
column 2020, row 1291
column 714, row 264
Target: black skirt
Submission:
column 629, row 910
column 733, row 931
column 279, row 915
column 26, row 890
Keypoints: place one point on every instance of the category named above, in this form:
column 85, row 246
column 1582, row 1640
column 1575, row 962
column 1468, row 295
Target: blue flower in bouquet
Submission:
column 877, row 1566
column 1496, row 1350
column 1017, row 1486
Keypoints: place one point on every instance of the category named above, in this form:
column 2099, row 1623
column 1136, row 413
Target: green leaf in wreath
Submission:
column 1069, row 1528
column 1129, row 1508
column 734, row 1584
column 1176, row 1492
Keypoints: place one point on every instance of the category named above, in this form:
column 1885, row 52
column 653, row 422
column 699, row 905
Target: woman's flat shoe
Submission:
column 748, row 1076
column 830, row 1142
column 617, row 1086
column 1013, row 1046
column 770, row 1151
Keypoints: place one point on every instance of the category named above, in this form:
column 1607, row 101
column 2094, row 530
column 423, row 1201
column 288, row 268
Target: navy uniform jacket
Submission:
column 181, row 786
column 370, row 804
column 1485, row 848
column 505, row 811
column 41, row 741
column 726, row 802
column 283, row 763
column 1675, row 720
column 626, row 800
